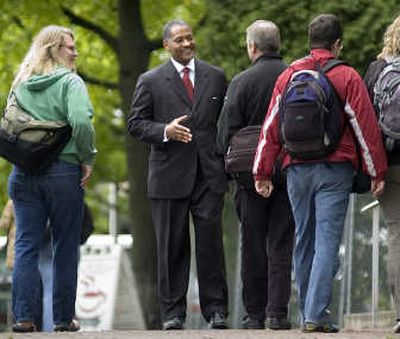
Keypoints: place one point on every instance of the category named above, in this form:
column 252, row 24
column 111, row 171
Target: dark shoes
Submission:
column 272, row 323
column 73, row 326
column 252, row 324
column 24, row 327
column 217, row 321
column 309, row 327
column 279, row 324
column 175, row 323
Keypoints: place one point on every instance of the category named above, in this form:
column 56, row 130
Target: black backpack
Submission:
column 310, row 114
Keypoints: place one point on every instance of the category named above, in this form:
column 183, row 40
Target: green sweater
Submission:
column 62, row 95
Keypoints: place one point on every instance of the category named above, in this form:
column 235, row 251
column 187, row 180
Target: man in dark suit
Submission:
column 266, row 224
column 175, row 108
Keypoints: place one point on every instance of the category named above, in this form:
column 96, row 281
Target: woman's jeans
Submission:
column 55, row 196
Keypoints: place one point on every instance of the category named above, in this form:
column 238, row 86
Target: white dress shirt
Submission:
column 179, row 68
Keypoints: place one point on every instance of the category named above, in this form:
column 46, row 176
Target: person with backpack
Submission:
column 318, row 114
column 267, row 225
column 48, row 88
column 382, row 80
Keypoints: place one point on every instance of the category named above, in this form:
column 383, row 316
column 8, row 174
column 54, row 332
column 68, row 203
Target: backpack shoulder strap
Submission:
column 331, row 63
column 389, row 67
column 383, row 90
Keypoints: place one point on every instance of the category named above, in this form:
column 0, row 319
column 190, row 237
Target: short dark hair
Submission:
column 324, row 30
column 168, row 27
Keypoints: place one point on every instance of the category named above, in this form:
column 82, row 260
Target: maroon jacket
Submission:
column 362, row 126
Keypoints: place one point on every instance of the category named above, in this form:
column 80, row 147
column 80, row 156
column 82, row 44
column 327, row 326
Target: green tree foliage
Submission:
column 222, row 35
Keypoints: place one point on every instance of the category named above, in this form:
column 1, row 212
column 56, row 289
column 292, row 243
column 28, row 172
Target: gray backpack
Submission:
column 387, row 103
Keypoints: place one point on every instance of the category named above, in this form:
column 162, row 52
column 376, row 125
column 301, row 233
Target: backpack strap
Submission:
column 382, row 92
column 331, row 63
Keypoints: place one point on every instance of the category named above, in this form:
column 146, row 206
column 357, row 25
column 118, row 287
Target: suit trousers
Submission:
column 267, row 230
column 171, row 221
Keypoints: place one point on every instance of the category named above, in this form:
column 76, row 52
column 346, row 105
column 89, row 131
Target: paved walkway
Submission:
column 209, row 334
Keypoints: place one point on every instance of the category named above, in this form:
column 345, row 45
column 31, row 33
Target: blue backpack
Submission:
column 310, row 114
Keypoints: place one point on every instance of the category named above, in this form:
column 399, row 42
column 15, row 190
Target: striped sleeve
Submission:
column 269, row 145
column 363, row 121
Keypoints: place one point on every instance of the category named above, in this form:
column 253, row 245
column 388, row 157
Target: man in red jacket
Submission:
column 319, row 189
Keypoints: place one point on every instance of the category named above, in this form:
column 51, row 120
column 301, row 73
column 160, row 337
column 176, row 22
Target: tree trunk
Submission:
column 133, row 56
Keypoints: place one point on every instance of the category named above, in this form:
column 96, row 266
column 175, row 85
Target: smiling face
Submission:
column 181, row 43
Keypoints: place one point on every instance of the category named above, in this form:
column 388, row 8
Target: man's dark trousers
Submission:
column 171, row 221
column 267, row 229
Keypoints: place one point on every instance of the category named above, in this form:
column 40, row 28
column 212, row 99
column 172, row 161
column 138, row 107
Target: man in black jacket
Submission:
column 266, row 224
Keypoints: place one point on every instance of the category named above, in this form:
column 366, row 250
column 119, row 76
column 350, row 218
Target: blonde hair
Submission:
column 43, row 56
column 391, row 40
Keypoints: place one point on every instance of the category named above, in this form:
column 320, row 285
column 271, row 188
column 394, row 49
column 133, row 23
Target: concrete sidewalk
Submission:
column 210, row 334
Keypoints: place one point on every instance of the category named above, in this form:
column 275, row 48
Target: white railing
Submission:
column 375, row 258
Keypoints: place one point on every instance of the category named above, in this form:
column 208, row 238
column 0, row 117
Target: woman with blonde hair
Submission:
column 48, row 88
column 391, row 196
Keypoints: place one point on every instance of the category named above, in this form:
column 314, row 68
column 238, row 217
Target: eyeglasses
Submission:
column 339, row 44
column 71, row 48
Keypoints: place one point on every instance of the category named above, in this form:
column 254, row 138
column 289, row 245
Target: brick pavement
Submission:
column 208, row 334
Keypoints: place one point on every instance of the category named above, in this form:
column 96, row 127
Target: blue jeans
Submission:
column 55, row 196
column 45, row 269
column 319, row 194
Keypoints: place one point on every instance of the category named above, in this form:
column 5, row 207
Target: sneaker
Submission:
column 252, row 324
column 217, row 321
column 310, row 327
column 396, row 328
column 278, row 324
column 73, row 326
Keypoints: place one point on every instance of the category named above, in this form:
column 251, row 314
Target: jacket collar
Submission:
column 268, row 55
column 179, row 67
column 321, row 55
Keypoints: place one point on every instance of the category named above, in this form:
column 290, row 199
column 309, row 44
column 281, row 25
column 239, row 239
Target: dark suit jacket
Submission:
column 159, row 98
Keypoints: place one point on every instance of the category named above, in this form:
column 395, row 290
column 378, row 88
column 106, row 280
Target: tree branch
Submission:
column 155, row 44
column 99, row 82
column 18, row 21
column 77, row 20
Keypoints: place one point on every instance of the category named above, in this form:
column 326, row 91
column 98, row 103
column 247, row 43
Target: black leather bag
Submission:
column 361, row 181
column 30, row 144
column 240, row 155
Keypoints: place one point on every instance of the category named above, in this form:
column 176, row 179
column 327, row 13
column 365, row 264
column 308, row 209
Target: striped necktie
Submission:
column 188, row 83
